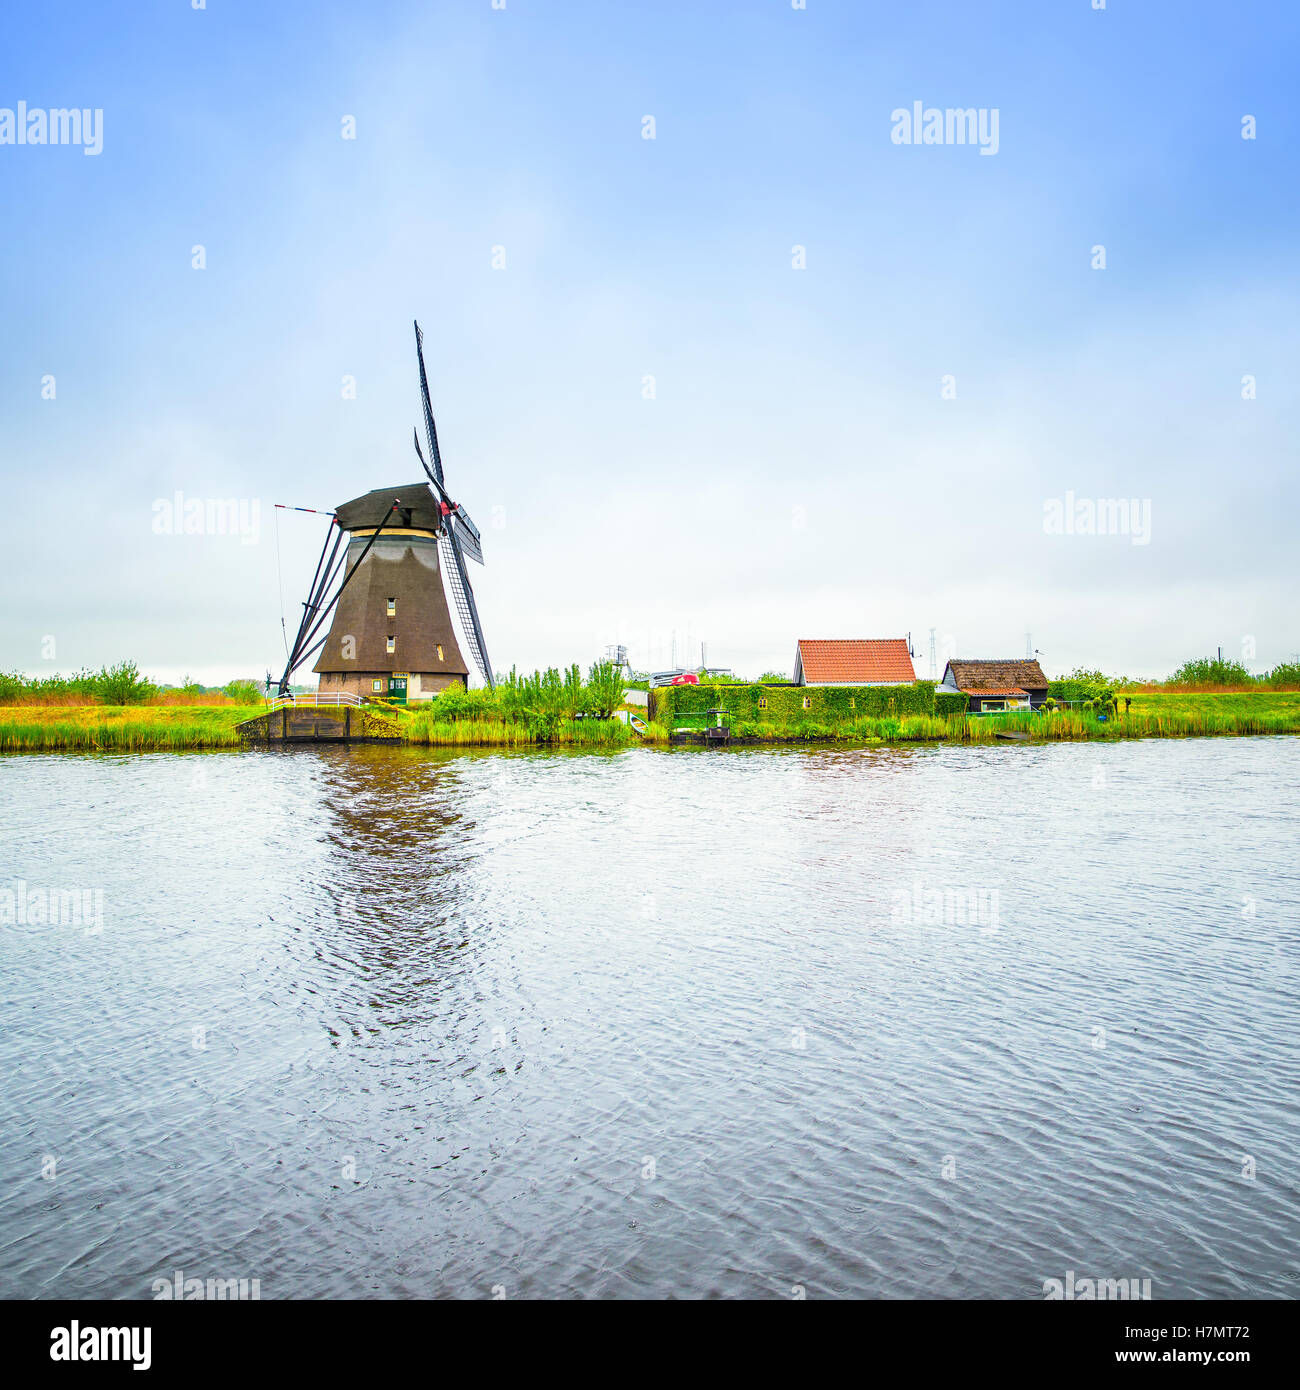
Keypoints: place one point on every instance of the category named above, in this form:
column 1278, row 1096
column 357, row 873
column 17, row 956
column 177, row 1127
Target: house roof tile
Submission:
column 854, row 661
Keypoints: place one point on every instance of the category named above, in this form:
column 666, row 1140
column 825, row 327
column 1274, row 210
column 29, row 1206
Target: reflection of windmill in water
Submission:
column 392, row 633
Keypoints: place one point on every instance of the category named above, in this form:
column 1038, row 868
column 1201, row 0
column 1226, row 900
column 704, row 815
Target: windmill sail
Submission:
column 430, row 429
column 471, row 541
column 458, row 535
column 463, row 597
column 466, row 534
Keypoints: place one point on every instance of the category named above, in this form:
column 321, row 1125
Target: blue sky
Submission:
column 799, row 471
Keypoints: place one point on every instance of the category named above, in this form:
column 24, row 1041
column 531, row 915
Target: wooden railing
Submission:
column 315, row 699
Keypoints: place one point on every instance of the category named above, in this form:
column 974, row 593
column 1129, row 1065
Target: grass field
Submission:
column 144, row 728
column 119, row 728
column 1191, row 702
column 1160, row 714
column 499, row 733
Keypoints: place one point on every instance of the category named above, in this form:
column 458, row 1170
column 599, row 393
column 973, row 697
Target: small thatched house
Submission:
column 996, row 685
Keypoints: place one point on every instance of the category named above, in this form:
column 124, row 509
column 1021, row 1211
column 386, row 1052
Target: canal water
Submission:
column 937, row 1022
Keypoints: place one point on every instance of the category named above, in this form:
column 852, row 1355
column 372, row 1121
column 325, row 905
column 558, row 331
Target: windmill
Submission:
column 391, row 634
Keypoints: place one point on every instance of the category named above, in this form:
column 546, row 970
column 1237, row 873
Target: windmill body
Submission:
column 392, row 634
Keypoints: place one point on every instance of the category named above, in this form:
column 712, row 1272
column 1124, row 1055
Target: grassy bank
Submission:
column 119, row 728
column 1250, row 702
column 1161, row 715
column 500, row 733
column 144, row 728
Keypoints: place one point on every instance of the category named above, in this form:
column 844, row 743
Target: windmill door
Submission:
column 397, row 689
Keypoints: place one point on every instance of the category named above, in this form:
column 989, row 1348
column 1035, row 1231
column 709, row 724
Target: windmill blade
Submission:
column 419, row 453
column 471, row 542
column 463, row 517
column 463, row 597
column 430, row 429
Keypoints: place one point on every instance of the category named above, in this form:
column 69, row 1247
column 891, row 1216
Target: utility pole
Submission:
column 934, row 659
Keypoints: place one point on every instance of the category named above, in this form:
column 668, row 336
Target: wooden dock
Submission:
column 711, row 729
column 322, row 719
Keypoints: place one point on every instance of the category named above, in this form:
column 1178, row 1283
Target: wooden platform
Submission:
column 701, row 738
column 312, row 723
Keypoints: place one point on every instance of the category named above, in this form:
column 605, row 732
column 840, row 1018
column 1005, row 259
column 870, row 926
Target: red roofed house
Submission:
column 853, row 661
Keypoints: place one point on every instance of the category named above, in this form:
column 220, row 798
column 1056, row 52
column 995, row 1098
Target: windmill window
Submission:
column 392, row 607
column 807, row 703
column 376, row 685
column 392, row 644
column 762, row 702
column 853, row 704
column 439, row 651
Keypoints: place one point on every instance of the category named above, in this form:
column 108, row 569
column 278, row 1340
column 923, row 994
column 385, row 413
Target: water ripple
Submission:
column 892, row 1023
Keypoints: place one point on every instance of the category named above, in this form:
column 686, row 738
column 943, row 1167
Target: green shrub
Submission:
column 949, row 702
column 459, row 703
column 537, row 702
column 1073, row 688
column 1208, row 670
column 123, row 685
column 1285, row 673
column 243, row 691
column 605, row 688
column 14, row 686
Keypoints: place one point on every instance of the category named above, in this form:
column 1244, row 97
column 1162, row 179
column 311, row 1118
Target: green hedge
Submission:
column 827, row 705
column 950, row 702
column 1073, row 690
